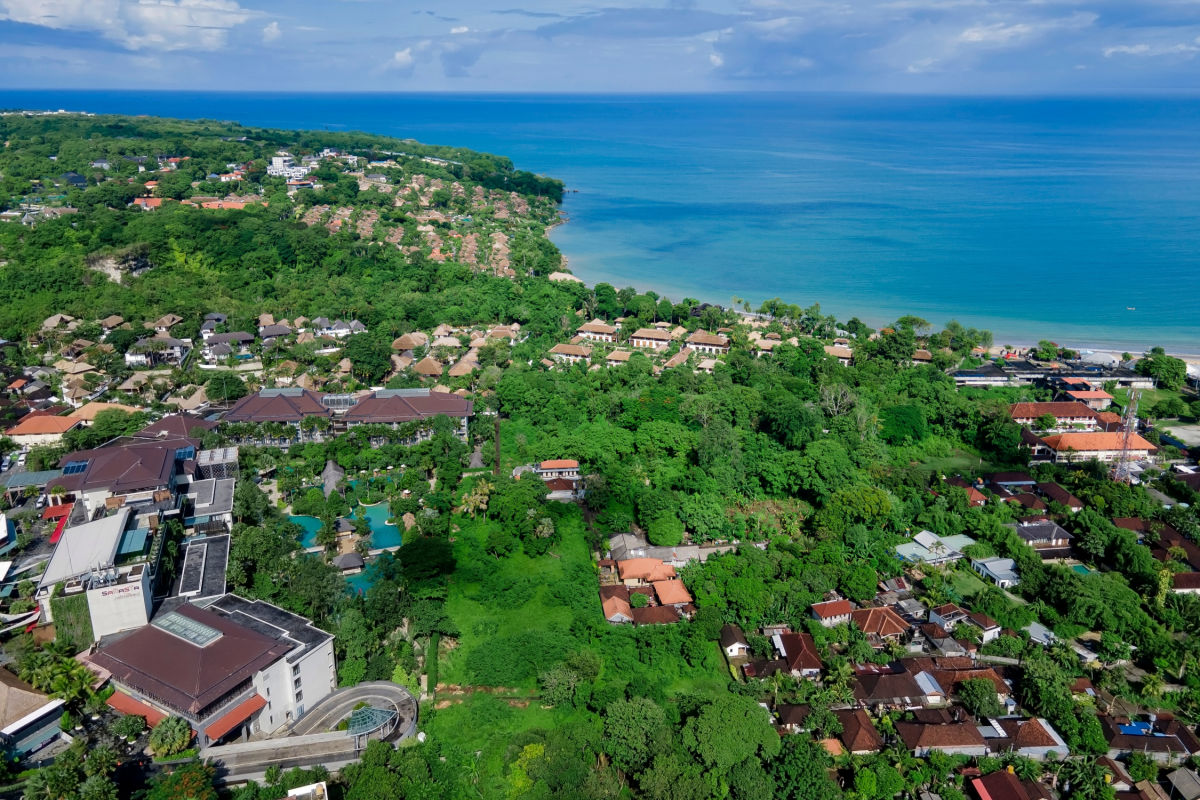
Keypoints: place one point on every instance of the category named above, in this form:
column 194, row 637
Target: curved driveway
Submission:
column 333, row 709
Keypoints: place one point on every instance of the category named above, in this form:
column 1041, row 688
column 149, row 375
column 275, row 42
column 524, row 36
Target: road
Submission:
column 337, row 706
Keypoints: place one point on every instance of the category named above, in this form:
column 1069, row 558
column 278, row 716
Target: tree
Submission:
column 1169, row 372
column 730, row 729
column 97, row 787
column 800, row 772
column 225, row 387
column 192, row 781
column 633, row 730
column 903, row 425
column 1046, row 350
column 978, row 695
column 370, row 356
column 170, row 736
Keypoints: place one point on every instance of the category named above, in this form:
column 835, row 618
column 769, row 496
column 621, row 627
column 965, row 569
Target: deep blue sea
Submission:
column 1036, row 218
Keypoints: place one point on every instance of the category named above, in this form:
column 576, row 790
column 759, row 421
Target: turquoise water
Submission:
column 382, row 534
column 1042, row 217
column 310, row 525
column 1080, row 569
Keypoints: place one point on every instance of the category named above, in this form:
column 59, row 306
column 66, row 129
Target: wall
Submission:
column 120, row 607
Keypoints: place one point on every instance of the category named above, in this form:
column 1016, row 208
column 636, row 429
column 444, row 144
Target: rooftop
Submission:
column 85, row 547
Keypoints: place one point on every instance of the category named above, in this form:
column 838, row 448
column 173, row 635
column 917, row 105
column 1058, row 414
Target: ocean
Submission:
column 1072, row 219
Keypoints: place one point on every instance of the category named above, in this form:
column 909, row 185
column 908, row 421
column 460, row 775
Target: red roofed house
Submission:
column 799, row 654
column 671, row 593
column 558, row 468
column 881, row 625
column 650, row 338
column 1066, row 414
column 1073, row 447
column 640, row 571
column 234, row 667
column 1095, row 399
column 832, row 612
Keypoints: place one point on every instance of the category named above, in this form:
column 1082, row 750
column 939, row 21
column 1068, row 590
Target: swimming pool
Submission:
column 310, row 525
column 383, row 534
column 1080, row 569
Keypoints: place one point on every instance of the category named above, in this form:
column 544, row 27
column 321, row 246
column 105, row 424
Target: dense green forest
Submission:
column 818, row 469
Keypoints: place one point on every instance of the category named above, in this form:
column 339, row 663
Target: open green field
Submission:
column 966, row 583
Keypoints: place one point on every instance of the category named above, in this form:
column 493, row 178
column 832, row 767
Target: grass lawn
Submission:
column 1149, row 397
column 966, row 583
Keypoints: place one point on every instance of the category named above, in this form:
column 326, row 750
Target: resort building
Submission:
column 704, row 342
column 650, row 339
column 1099, row 446
column 597, row 331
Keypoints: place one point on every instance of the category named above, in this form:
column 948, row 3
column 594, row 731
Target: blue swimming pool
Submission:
column 310, row 525
column 383, row 534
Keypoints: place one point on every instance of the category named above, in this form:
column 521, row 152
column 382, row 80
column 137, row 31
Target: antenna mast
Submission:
column 1120, row 471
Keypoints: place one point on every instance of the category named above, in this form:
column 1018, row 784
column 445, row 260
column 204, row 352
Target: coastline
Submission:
column 1114, row 347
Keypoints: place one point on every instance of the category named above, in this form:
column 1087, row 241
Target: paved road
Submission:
column 337, row 706
column 245, row 761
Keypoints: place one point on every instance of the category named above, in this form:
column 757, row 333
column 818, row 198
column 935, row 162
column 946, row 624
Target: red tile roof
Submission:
column 235, row 716
column 1060, row 410
column 1097, row 441
column 128, row 705
column 882, row 622
column 832, row 608
column 671, row 592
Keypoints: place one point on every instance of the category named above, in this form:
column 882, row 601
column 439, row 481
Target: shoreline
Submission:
column 1017, row 341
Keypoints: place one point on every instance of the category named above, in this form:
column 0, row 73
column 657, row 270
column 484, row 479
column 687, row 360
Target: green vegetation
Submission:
column 72, row 619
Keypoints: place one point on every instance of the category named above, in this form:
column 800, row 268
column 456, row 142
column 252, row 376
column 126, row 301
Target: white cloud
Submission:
column 997, row 33
column 271, row 33
column 715, row 59
column 137, row 24
column 402, row 59
column 459, row 29
column 1143, row 49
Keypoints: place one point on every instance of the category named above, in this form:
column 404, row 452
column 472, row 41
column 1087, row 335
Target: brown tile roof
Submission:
column 596, row 327
column 1052, row 491
column 858, row 733
column 277, row 405
column 832, row 608
column 1186, row 580
column 181, row 675
column 578, row 351
column 672, row 592
column 43, row 425
column 883, row 622
column 800, row 651
column 645, row 569
column 1098, row 440
column 939, row 737
column 655, row 615
column 388, row 408
column 703, row 337
column 651, row 333
column 1058, row 410
column 999, row 785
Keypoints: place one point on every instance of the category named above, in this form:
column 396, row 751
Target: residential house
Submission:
column 617, row 357
column 224, row 345
column 832, row 613
column 704, row 342
column 1185, row 784
column 859, row 735
column 882, row 626
column 1072, row 414
column 614, row 600
column 41, row 429
column 1099, row 446
column 890, row 689
column 1047, row 537
column 254, row 668
column 1164, row 739
column 1000, row 571
column 650, row 338
column 799, row 654
column 1095, row 399
column 733, row 642
column 163, row 324
column 1057, row 494
column 655, row 615
column 843, row 354
column 1030, row 738
column 929, row 548
column 949, row 616
column 597, row 331
column 157, row 350
column 1185, row 583
column 644, row 571
column 960, row 737
column 1012, row 482
column 1004, row 785
column 570, row 353
column 793, row 718
column 975, row 497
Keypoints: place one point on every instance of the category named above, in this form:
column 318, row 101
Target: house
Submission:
column 799, row 653
column 253, row 668
column 793, row 718
column 163, row 324
column 1097, row 445
column 410, row 341
column 224, row 345
column 41, row 429
column 1000, row 571
column 1185, row 784
column 650, row 338
column 395, row 407
column 1095, row 399
column 671, row 593
column 1011, row 481
column 642, row 571
column 428, row 367
column 617, row 357
column 1071, row 414
column 733, row 642
column 614, row 600
column 881, row 625
column 890, row 689
column 655, row 615
column 929, row 548
column 87, row 414
column 269, row 333
column 859, row 735
column 1030, row 738
column 1047, row 537
column 158, row 349
column 558, row 468
column 570, row 353
column 840, row 352
column 704, row 342
column 1164, row 739
column 832, row 613
column 1185, row 583
column 29, row 720
column 1002, row 785
column 949, row 616
column 597, row 331
column 955, row 738
column 1057, row 494
column 679, row 359
column 922, row 357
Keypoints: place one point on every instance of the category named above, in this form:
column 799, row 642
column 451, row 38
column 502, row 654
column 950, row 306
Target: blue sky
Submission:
column 961, row 46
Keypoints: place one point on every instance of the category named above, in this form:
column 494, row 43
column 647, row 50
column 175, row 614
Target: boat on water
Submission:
column 1130, row 308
